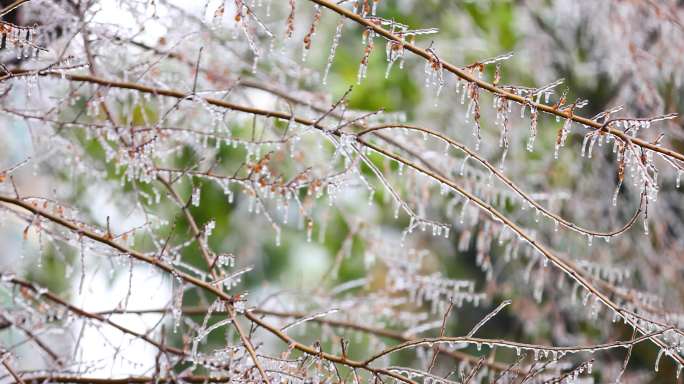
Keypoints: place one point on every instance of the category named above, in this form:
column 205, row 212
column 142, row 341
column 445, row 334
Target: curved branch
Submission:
column 519, row 346
column 566, row 223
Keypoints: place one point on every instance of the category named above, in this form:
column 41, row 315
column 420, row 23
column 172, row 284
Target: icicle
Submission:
column 312, row 31
column 584, row 143
column 533, row 128
column 290, row 20
column 309, row 230
column 195, row 200
column 463, row 211
column 657, row 361
column 462, row 171
column 394, row 52
column 465, row 91
column 475, row 103
column 83, row 267
column 277, row 236
column 562, row 136
column 333, row 49
column 371, row 195
column 368, row 36
column 591, row 145
column 177, row 309
column 615, row 194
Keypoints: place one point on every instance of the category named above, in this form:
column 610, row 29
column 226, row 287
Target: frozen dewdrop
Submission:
column 333, row 49
column 590, row 239
column 226, row 260
column 679, row 178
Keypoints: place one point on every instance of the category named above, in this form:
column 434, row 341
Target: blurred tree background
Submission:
column 296, row 270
